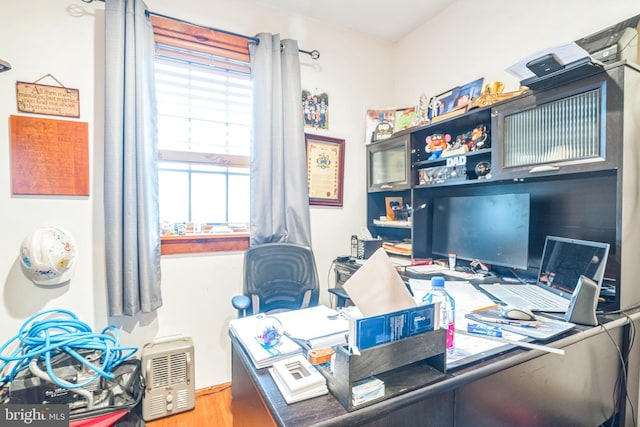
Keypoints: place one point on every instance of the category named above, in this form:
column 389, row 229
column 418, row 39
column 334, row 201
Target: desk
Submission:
column 519, row 387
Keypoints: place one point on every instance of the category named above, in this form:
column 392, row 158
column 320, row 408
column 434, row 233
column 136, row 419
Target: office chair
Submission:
column 277, row 277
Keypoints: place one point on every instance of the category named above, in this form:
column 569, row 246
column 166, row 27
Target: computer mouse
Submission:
column 516, row 313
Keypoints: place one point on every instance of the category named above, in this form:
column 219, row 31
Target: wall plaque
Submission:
column 44, row 99
column 49, row 157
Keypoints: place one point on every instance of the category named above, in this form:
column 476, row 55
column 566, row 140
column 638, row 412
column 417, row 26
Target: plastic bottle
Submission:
column 447, row 308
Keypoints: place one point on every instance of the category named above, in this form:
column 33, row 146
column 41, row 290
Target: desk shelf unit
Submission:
column 403, row 365
column 583, row 185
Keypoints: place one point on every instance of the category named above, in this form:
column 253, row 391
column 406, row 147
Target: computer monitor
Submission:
column 493, row 229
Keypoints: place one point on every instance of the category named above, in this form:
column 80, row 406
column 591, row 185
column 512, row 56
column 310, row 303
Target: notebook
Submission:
column 563, row 261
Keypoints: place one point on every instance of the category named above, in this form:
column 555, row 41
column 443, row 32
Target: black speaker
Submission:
column 582, row 308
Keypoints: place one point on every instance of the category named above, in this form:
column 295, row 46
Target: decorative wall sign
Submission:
column 49, row 157
column 44, row 99
column 325, row 167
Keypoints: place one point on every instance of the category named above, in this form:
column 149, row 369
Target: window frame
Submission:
column 202, row 40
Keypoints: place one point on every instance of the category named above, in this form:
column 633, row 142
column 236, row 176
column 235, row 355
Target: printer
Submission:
column 615, row 43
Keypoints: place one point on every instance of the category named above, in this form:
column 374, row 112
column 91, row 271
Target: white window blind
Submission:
column 204, row 132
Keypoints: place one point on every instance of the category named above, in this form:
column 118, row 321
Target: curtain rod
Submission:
column 314, row 54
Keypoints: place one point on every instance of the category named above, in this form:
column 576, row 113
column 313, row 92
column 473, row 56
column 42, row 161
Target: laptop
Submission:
column 563, row 262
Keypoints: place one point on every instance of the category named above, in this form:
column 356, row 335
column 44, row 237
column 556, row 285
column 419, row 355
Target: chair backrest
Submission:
column 280, row 276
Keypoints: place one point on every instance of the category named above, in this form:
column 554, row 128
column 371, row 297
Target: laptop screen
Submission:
column 565, row 260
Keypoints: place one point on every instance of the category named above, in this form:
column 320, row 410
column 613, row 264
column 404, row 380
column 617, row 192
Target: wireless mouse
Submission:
column 515, row 313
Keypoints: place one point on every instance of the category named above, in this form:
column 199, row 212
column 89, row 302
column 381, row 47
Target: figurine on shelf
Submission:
column 423, row 110
column 457, row 147
column 436, row 144
column 478, row 138
column 436, row 108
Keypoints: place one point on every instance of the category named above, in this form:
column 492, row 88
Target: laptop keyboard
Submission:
column 528, row 296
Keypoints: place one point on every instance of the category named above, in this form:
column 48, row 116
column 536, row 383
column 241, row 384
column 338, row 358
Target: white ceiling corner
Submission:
column 382, row 19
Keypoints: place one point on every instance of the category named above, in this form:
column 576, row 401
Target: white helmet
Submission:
column 48, row 256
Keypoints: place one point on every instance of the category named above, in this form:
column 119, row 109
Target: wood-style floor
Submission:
column 213, row 409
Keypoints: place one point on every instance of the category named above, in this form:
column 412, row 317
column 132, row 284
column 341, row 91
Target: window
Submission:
column 204, row 96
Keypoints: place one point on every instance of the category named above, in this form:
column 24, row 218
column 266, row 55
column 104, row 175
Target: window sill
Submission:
column 197, row 243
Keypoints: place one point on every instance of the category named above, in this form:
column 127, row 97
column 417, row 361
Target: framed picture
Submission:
column 467, row 93
column 315, row 108
column 325, row 170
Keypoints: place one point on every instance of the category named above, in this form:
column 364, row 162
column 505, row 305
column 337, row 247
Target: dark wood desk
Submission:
column 519, row 387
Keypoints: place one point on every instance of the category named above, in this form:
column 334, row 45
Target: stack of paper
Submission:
column 543, row 328
column 315, row 327
column 399, row 248
column 245, row 329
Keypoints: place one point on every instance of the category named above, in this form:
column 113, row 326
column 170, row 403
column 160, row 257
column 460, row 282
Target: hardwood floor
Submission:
column 213, row 409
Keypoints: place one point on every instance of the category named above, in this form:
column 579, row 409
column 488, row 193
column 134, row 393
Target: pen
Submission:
column 506, row 322
column 489, row 307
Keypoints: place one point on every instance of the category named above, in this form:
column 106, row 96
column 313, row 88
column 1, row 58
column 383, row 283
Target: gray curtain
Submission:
column 279, row 194
column 130, row 161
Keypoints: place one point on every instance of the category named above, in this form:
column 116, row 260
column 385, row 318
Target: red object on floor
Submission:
column 106, row 420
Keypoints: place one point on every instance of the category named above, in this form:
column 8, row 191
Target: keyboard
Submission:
column 528, row 296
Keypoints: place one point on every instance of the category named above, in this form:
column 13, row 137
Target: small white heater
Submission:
column 168, row 371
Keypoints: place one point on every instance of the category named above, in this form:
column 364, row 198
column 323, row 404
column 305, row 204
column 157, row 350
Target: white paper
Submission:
column 376, row 288
column 245, row 329
column 467, row 298
column 315, row 325
column 566, row 54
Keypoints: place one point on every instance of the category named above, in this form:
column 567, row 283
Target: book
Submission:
column 367, row 332
column 543, row 328
column 262, row 357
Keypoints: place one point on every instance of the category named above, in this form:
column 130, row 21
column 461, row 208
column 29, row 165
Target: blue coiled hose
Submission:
column 52, row 332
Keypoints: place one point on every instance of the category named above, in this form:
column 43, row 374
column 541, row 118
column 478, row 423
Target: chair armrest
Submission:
column 339, row 292
column 342, row 296
column 241, row 302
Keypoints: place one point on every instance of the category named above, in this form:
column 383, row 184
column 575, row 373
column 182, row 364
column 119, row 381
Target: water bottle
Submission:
column 447, row 308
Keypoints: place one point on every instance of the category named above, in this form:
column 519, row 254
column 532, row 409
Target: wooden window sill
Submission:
column 196, row 243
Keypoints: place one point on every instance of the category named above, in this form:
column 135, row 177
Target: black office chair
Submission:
column 277, row 277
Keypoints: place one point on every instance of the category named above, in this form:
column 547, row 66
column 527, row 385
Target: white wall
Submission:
column 468, row 40
column 42, row 36
column 472, row 39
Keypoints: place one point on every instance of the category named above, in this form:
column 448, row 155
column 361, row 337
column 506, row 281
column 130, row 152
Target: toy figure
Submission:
column 478, row 138
column 436, row 144
column 435, row 108
column 423, row 110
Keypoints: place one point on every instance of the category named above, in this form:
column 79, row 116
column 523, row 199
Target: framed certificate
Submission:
column 325, row 169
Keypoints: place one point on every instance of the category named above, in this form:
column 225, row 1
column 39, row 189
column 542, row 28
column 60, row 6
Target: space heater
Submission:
column 167, row 366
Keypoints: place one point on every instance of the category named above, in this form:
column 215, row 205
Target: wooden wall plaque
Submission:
column 51, row 100
column 49, row 157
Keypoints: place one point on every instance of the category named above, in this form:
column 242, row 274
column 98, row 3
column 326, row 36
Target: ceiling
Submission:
column 378, row 18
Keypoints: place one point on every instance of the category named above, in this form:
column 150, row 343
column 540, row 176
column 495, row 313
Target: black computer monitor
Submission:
column 493, row 229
